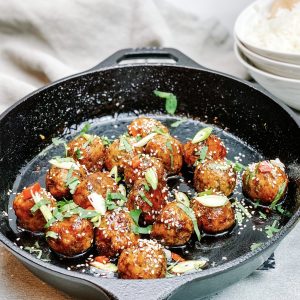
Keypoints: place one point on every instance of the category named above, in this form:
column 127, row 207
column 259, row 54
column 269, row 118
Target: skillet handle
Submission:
column 132, row 56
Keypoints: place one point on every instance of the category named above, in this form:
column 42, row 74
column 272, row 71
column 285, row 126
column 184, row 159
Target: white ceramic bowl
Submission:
column 246, row 19
column 269, row 65
column 285, row 89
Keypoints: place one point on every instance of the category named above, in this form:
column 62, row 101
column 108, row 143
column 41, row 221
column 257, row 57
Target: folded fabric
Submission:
column 42, row 41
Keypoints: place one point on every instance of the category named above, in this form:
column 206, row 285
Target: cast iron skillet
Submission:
column 112, row 93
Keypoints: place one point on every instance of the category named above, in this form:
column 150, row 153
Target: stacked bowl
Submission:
column 267, row 43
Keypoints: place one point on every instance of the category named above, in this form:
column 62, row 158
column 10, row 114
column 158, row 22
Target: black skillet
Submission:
column 109, row 96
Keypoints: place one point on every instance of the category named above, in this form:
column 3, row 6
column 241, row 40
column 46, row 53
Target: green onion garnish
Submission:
column 171, row 101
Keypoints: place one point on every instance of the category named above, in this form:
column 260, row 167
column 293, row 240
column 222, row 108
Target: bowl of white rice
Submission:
column 277, row 38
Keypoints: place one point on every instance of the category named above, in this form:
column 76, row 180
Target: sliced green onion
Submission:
column 124, row 144
column 192, row 216
column 202, row 154
column 64, row 163
column 151, row 177
column 202, row 135
column 278, row 195
column 114, row 173
column 182, row 198
column 85, row 128
column 207, row 192
column 270, row 230
column 122, row 190
column 108, row 267
column 171, row 101
column 89, row 139
column 141, row 193
column 255, row 246
column 105, row 140
column 178, row 123
column 45, row 210
column 141, row 230
column 58, row 141
column 98, row 202
column 135, row 215
column 213, row 200
column 51, row 234
column 188, row 266
column 262, row 215
column 39, row 204
column 160, row 131
column 145, row 140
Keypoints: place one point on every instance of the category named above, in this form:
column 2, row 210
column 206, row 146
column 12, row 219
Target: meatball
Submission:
column 265, row 181
column 23, row 203
column 215, row 150
column 88, row 150
column 120, row 152
column 114, row 233
column 99, row 183
column 216, row 175
column 138, row 166
column 151, row 202
column 213, row 219
column 168, row 150
column 146, row 260
column 143, row 126
column 173, row 227
column 71, row 236
column 57, row 178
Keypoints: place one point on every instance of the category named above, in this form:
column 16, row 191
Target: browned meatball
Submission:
column 265, row 182
column 146, row 260
column 217, row 175
column 213, row 219
column 99, row 183
column 143, row 126
column 173, row 227
column 168, row 150
column 33, row 221
column 120, row 152
column 151, row 202
column 56, row 180
column 138, row 166
column 215, row 150
column 114, row 233
column 88, row 150
column 71, row 236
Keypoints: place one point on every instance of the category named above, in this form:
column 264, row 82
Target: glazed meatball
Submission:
column 120, row 153
column 138, row 166
column 71, row 236
column 168, row 150
column 33, row 221
column 56, row 179
column 265, row 181
column 143, row 126
column 88, row 150
column 99, row 183
column 173, row 227
column 114, row 233
column 213, row 219
column 216, row 175
column 215, row 150
column 151, row 202
column 146, row 260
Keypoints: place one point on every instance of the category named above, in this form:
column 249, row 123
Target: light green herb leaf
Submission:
column 171, row 101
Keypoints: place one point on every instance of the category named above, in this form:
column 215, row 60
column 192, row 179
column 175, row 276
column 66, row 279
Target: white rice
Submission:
column 281, row 33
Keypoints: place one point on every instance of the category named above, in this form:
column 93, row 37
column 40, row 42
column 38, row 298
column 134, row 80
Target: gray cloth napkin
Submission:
column 41, row 41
